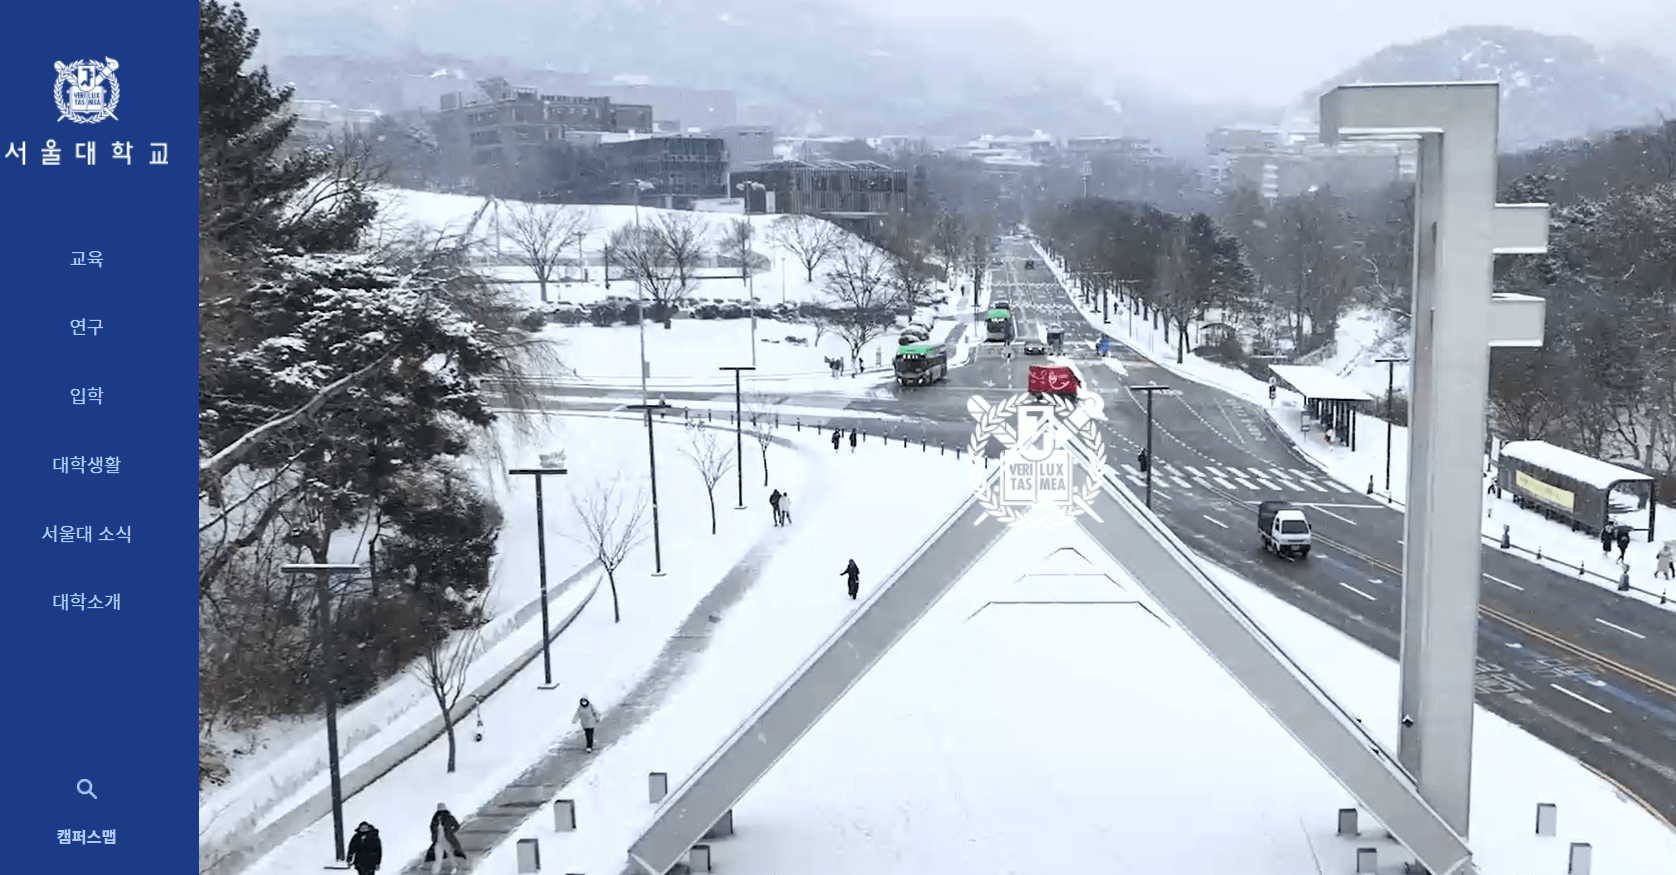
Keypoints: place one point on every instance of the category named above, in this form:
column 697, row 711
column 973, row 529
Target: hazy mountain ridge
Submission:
column 813, row 66
column 1553, row 87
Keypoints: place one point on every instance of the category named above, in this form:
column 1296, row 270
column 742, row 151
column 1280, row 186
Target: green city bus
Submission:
column 918, row 364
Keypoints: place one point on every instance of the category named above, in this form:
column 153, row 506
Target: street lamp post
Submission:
column 641, row 185
column 551, row 463
column 739, row 428
column 328, row 658
column 1149, row 461
column 1390, row 395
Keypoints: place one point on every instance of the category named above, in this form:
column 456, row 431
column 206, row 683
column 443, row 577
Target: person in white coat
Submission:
column 785, row 508
column 589, row 718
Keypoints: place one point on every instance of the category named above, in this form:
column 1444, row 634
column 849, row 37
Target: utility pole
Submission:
column 1147, row 453
column 1390, row 395
column 551, row 463
column 328, row 687
column 738, row 428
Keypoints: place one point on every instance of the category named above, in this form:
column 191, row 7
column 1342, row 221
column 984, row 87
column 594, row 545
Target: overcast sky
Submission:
column 1246, row 50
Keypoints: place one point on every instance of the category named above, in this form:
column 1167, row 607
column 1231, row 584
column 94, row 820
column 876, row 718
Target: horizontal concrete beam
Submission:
column 1517, row 320
column 1402, row 110
column 1519, row 229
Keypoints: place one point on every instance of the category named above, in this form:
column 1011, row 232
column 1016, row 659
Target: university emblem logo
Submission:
column 1042, row 483
column 86, row 91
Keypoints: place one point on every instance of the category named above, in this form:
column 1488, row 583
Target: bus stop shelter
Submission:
column 1331, row 399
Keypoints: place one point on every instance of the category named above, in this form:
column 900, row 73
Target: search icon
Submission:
column 85, row 788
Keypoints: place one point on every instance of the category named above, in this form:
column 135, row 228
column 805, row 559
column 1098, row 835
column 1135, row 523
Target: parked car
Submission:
column 1029, row 264
column 1034, row 348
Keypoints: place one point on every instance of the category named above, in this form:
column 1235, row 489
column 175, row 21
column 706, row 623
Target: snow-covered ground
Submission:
column 778, row 621
column 1182, row 773
column 289, row 765
column 689, row 356
column 1045, row 737
column 1560, row 546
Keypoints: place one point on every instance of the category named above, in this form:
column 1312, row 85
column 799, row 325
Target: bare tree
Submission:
column 979, row 263
column 542, row 234
column 711, row 458
column 663, row 256
column 443, row 667
column 761, row 416
column 948, row 241
column 910, row 276
column 860, row 297
column 613, row 523
column 683, row 237
column 736, row 243
column 810, row 239
column 646, row 261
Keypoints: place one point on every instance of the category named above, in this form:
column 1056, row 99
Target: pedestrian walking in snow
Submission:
column 853, row 572
column 589, row 718
column 1666, row 567
column 774, row 502
column 365, row 850
column 852, row 441
column 1623, row 543
column 445, row 841
column 1606, row 533
column 785, row 508
column 837, row 435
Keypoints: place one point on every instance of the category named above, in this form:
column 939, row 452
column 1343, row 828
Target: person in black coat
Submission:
column 1623, row 542
column 774, row 502
column 445, row 821
column 837, row 435
column 853, row 572
column 366, row 852
column 852, row 440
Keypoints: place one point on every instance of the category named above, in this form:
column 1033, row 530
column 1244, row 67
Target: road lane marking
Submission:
column 1592, row 704
column 1358, row 592
column 1620, row 628
column 1214, row 520
column 1503, row 582
column 1230, row 422
column 1331, row 514
column 1336, row 485
column 1644, row 679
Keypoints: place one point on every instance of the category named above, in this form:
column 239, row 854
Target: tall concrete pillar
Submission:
column 1459, row 229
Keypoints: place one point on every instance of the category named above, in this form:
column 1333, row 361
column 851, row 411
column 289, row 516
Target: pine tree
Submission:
column 248, row 180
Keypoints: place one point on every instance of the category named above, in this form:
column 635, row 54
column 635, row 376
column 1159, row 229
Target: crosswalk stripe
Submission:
column 1282, row 479
column 1242, row 480
column 1308, row 483
column 1260, row 476
column 1336, row 485
column 1194, row 471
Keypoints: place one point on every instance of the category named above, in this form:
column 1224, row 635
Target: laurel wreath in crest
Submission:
column 76, row 115
column 996, row 421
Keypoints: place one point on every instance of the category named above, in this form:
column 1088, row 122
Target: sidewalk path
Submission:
column 498, row 819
